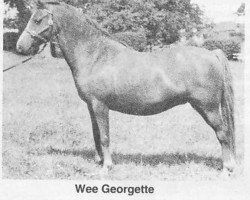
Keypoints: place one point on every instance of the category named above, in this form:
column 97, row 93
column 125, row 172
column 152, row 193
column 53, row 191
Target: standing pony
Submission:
column 109, row 75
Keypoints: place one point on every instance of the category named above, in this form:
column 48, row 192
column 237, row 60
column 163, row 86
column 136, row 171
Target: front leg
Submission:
column 99, row 114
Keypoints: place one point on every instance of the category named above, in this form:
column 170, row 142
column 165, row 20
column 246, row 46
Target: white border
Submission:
column 62, row 189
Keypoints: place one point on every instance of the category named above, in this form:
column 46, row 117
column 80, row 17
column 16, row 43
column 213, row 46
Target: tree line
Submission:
column 159, row 21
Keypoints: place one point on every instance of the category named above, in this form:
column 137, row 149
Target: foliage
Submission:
column 9, row 41
column 192, row 42
column 240, row 35
column 241, row 9
column 160, row 20
column 9, row 22
column 228, row 46
column 136, row 40
column 23, row 15
column 228, row 36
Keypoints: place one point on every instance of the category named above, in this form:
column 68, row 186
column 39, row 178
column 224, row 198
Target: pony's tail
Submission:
column 227, row 101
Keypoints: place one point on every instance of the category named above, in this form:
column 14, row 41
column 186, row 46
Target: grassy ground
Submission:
column 47, row 132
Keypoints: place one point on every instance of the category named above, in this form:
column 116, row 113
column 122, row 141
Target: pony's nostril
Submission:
column 19, row 48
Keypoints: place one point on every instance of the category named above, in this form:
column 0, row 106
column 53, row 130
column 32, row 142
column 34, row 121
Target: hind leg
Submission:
column 213, row 117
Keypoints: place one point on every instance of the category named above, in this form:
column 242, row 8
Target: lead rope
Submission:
column 26, row 60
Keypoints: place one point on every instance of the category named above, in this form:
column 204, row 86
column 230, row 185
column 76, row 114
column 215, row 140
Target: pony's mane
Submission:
column 103, row 32
column 97, row 26
column 92, row 23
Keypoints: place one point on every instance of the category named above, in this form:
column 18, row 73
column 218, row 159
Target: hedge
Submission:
column 136, row 40
column 228, row 46
column 9, row 41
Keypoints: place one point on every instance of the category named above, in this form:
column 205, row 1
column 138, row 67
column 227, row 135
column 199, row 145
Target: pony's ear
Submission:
column 31, row 6
column 87, row 6
column 40, row 4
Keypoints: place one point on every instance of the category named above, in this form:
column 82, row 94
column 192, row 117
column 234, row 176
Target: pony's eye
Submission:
column 37, row 21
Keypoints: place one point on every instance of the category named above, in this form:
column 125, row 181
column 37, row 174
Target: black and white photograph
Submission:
column 115, row 92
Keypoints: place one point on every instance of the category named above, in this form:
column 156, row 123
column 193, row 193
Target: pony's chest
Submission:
column 97, row 86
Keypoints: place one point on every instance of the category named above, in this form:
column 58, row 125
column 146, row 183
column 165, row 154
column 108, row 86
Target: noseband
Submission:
column 48, row 27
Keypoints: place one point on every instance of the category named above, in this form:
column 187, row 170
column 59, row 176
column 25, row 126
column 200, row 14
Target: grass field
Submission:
column 47, row 132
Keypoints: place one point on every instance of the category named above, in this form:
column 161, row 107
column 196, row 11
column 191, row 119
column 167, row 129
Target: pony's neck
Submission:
column 75, row 31
column 74, row 24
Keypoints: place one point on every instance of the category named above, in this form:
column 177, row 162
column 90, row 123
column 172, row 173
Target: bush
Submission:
column 9, row 41
column 193, row 43
column 136, row 40
column 228, row 46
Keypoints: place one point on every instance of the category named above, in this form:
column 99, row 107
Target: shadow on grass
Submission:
column 169, row 159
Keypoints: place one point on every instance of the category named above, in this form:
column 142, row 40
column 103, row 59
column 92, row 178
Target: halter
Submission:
column 48, row 27
column 37, row 36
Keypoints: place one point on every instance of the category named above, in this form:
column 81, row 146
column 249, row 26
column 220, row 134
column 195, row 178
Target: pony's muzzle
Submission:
column 24, row 44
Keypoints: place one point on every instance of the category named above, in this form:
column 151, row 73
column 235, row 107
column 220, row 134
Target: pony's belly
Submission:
column 143, row 107
column 146, row 92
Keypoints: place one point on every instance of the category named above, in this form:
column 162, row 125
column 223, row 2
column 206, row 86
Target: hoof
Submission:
column 105, row 170
column 98, row 160
column 229, row 167
column 227, row 173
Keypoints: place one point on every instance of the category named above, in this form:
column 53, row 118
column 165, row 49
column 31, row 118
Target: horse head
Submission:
column 39, row 29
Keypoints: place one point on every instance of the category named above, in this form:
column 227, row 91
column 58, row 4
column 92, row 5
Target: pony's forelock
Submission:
column 40, row 4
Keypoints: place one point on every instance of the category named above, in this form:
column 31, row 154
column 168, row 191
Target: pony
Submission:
column 109, row 75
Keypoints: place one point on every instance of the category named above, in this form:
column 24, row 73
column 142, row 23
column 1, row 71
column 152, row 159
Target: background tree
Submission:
column 23, row 14
column 159, row 20
column 9, row 22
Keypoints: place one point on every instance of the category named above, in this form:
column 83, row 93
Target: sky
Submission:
column 219, row 10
